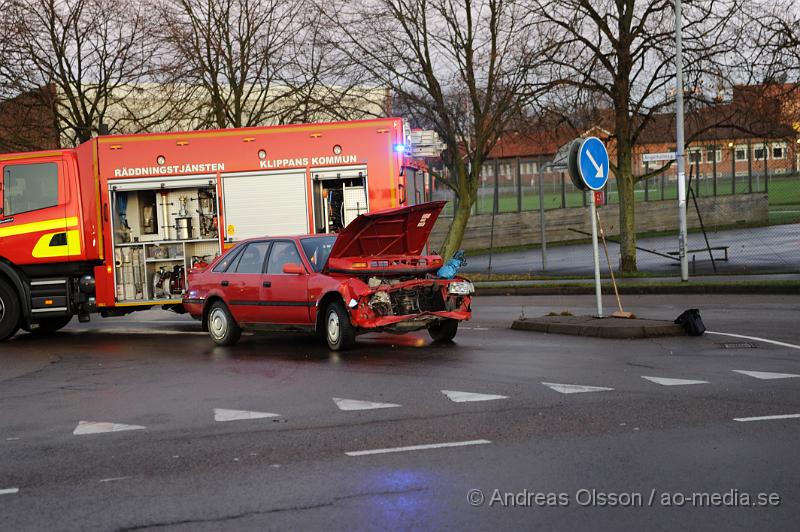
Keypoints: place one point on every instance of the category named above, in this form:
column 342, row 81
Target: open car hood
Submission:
column 402, row 231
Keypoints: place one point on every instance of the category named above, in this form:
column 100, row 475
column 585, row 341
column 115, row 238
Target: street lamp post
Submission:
column 682, row 236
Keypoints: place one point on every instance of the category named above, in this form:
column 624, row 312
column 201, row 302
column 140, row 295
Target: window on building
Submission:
column 695, row 155
column 741, row 152
column 759, row 152
column 528, row 168
column 505, row 171
column 713, row 153
column 779, row 150
column 29, row 187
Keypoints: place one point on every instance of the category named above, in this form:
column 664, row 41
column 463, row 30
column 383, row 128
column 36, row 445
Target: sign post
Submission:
column 589, row 170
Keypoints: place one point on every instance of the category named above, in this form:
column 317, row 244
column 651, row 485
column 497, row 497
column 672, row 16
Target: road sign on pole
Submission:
column 593, row 163
column 658, row 157
column 588, row 165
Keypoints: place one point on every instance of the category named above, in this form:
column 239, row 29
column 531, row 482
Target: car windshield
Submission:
column 317, row 250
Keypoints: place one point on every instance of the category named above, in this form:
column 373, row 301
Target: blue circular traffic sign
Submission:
column 593, row 163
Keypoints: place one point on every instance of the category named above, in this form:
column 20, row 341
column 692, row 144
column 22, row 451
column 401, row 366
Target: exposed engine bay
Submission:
column 402, row 305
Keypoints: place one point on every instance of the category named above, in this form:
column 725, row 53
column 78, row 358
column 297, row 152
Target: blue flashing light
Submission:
column 400, row 148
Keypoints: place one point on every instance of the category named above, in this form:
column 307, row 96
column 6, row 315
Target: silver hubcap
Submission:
column 333, row 327
column 218, row 323
column 2, row 309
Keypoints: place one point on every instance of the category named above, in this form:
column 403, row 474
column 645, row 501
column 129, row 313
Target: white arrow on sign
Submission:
column 598, row 167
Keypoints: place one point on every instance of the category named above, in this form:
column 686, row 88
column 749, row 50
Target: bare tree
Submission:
column 234, row 52
column 325, row 85
column 90, row 52
column 620, row 55
column 456, row 65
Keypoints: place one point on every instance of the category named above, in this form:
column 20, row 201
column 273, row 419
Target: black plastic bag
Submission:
column 691, row 321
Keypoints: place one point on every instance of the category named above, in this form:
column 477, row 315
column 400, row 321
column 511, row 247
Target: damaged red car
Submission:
column 371, row 277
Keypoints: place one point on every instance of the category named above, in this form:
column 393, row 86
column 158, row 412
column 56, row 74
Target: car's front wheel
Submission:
column 339, row 332
column 443, row 330
column 221, row 326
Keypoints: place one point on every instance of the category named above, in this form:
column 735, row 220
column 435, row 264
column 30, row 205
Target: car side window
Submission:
column 228, row 260
column 282, row 253
column 253, row 256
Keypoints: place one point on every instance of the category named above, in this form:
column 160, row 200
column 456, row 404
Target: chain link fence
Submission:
column 743, row 210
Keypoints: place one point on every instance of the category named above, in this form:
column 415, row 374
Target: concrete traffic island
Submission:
column 600, row 327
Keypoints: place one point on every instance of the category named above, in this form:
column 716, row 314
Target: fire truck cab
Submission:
column 113, row 225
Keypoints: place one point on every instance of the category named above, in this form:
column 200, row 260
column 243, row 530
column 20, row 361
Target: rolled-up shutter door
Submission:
column 265, row 203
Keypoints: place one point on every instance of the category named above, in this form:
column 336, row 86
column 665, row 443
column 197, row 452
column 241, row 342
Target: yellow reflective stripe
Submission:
column 36, row 227
column 43, row 249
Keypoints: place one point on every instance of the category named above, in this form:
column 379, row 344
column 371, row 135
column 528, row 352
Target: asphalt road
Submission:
column 641, row 444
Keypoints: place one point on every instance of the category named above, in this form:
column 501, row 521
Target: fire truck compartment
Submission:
column 161, row 227
column 265, row 203
column 340, row 195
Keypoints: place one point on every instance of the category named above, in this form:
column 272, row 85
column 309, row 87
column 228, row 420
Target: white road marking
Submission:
column 12, row 439
column 222, row 414
column 672, row 382
column 756, row 338
column 353, row 404
column 417, row 447
column 99, row 427
column 113, row 479
column 767, row 418
column 481, row 328
column 765, row 375
column 9, row 491
column 575, row 388
column 467, row 397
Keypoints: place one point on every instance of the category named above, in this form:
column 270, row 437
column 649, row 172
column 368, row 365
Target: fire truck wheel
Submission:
column 339, row 332
column 443, row 330
column 223, row 328
column 9, row 311
column 49, row 325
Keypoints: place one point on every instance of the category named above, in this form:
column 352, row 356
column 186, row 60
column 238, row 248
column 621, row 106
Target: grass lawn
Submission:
column 784, row 195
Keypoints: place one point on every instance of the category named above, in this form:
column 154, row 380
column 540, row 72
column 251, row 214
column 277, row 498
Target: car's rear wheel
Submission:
column 443, row 330
column 49, row 325
column 9, row 311
column 221, row 326
column 339, row 332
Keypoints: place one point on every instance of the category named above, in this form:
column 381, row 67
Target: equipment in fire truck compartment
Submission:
column 158, row 234
column 168, row 283
column 183, row 221
column 340, row 195
column 207, row 212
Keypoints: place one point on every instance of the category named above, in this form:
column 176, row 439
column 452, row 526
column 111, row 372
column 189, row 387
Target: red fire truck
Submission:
column 113, row 225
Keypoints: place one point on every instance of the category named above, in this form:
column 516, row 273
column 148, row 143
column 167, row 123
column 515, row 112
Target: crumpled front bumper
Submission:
column 364, row 318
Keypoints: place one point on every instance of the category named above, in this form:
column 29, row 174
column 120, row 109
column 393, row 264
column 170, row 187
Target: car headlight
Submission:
column 461, row 288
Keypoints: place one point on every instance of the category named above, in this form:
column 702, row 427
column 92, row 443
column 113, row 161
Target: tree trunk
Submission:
column 458, row 226
column 627, row 207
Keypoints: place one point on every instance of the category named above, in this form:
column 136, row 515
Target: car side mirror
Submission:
column 293, row 268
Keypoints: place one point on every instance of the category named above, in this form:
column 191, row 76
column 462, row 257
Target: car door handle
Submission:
column 224, row 283
column 266, row 284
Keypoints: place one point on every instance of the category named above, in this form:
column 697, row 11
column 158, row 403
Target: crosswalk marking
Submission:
column 99, row 427
column 467, row 397
column 354, row 404
column 223, row 414
column 765, row 375
column 575, row 388
column 672, row 382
